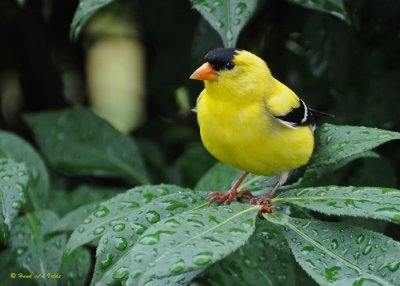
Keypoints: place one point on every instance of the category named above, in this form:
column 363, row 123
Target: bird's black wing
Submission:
column 299, row 116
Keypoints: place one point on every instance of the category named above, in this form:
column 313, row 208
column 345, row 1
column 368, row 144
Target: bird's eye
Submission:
column 229, row 65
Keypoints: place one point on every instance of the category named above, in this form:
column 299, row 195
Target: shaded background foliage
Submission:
column 349, row 69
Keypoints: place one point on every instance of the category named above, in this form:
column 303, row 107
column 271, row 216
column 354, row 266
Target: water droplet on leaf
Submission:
column 152, row 216
column 240, row 8
column 101, row 212
column 203, row 258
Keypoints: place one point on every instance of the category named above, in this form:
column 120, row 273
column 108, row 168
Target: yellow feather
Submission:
column 235, row 115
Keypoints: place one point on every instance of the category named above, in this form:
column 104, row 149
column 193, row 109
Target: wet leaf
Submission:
column 13, row 185
column 73, row 219
column 34, row 253
column 333, row 7
column 368, row 202
column 115, row 247
column 77, row 142
column 186, row 242
column 272, row 235
column 335, row 143
column 201, row 238
column 338, row 254
column 75, row 268
column 85, row 10
column 258, row 262
column 227, row 17
column 12, row 146
column 113, row 214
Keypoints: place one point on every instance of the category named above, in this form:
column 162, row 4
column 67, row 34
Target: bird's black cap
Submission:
column 219, row 57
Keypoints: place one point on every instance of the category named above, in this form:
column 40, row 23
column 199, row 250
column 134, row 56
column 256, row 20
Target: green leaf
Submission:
column 187, row 242
column 338, row 254
column 12, row 146
column 73, row 219
column 75, row 268
column 13, row 184
column 333, row 7
column 8, row 267
column 272, row 235
column 368, row 202
column 115, row 247
column 227, row 17
column 191, row 240
column 85, row 10
column 36, row 254
column 336, row 143
column 258, row 262
column 77, row 142
column 113, row 214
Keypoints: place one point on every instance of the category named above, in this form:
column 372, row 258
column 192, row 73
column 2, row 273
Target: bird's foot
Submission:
column 231, row 196
column 264, row 202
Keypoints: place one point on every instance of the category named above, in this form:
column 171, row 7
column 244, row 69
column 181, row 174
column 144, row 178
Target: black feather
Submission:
column 221, row 58
column 298, row 116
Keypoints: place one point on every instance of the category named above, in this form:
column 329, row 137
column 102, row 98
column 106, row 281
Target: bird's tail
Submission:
column 320, row 113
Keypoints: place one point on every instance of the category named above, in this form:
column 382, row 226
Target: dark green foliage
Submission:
column 100, row 150
column 13, row 147
column 35, row 252
column 84, row 11
column 339, row 254
column 98, row 221
column 226, row 17
column 13, row 182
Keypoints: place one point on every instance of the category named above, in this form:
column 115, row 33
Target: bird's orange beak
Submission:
column 205, row 72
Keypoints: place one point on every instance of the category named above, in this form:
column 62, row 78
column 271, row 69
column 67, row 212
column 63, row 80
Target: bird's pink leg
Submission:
column 233, row 194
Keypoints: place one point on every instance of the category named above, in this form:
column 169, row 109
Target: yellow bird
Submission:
column 250, row 120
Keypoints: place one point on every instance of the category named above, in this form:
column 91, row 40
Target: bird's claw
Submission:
column 261, row 200
column 229, row 197
column 264, row 202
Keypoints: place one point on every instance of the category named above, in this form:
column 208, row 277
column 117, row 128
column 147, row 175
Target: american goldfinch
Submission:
column 250, row 120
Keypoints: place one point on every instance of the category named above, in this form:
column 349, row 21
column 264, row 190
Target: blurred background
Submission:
column 131, row 63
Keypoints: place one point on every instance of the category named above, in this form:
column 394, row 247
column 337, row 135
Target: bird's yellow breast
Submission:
column 247, row 137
